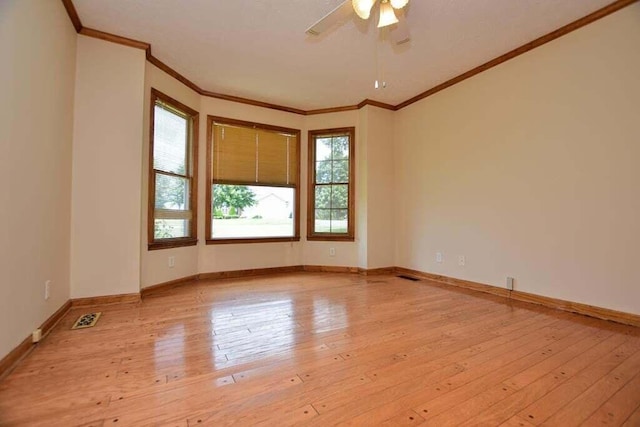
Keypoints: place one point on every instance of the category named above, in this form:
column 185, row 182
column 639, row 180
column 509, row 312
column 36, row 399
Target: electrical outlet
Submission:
column 439, row 257
column 172, row 261
column 332, row 251
column 47, row 290
column 510, row 282
column 461, row 260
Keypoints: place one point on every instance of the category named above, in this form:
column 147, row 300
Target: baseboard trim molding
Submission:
column 16, row 355
column 376, row 271
column 580, row 308
column 467, row 284
column 217, row 275
column 144, row 292
column 329, row 269
column 234, row 274
column 11, row 360
column 555, row 303
column 106, row 300
column 53, row 320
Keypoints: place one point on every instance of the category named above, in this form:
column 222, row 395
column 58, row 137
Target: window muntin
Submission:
column 172, row 206
column 331, row 185
column 253, row 182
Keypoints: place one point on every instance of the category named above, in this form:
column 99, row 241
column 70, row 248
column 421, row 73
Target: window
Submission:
column 330, row 208
column 173, row 164
column 253, row 177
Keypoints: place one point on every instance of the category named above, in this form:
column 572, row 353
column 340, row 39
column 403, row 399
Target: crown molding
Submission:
column 592, row 17
column 253, row 102
column 173, row 73
column 73, row 15
column 331, row 110
column 377, row 104
column 90, row 32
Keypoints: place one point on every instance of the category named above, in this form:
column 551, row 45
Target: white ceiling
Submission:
column 258, row 49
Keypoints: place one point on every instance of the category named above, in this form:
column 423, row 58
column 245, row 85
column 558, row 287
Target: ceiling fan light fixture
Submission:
column 399, row 4
column 363, row 7
column 387, row 16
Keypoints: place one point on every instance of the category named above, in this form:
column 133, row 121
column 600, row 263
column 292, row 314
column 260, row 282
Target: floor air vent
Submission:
column 86, row 321
column 413, row 279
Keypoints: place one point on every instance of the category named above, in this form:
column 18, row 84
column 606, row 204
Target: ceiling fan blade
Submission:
column 336, row 16
column 399, row 33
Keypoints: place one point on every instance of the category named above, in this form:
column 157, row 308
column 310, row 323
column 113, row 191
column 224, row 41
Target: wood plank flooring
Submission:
column 323, row 349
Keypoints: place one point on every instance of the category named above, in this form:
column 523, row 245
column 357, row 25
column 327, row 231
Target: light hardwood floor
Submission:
column 324, row 349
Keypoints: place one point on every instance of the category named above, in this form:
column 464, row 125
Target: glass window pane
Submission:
column 243, row 211
column 339, row 196
column 172, row 192
column 323, row 214
column 323, row 197
column 323, row 221
column 339, row 222
column 340, row 171
column 323, row 172
column 171, row 228
column 340, row 147
column 323, row 149
column 169, row 142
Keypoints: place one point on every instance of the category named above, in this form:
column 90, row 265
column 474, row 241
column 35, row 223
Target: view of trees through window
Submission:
column 171, row 193
column 243, row 211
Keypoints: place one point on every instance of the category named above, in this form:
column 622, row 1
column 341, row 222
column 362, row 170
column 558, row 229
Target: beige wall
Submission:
column 374, row 189
column 362, row 187
column 107, row 169
column 380, row 181
column 531, row 170
column 38, row 45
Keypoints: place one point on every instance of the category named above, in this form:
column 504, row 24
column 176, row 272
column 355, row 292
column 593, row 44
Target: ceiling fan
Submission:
column 363, row 8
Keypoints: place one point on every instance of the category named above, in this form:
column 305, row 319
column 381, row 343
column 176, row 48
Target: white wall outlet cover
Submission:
column 332, row 251
column 172, row 261
column 47, row 289
column 461, row 260
column 439, row 257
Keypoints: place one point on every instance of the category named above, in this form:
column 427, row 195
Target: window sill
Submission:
column 172, row 243
column 330, row 238
column 252, row 240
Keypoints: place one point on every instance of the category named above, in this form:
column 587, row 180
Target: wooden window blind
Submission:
column 254, row 156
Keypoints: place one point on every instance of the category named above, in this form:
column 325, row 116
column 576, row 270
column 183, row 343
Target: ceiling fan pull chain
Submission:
column 379, row 81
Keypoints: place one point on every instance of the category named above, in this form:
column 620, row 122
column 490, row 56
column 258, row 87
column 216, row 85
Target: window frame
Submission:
column 312, row 235
column 210, row 240
column 192, row 161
